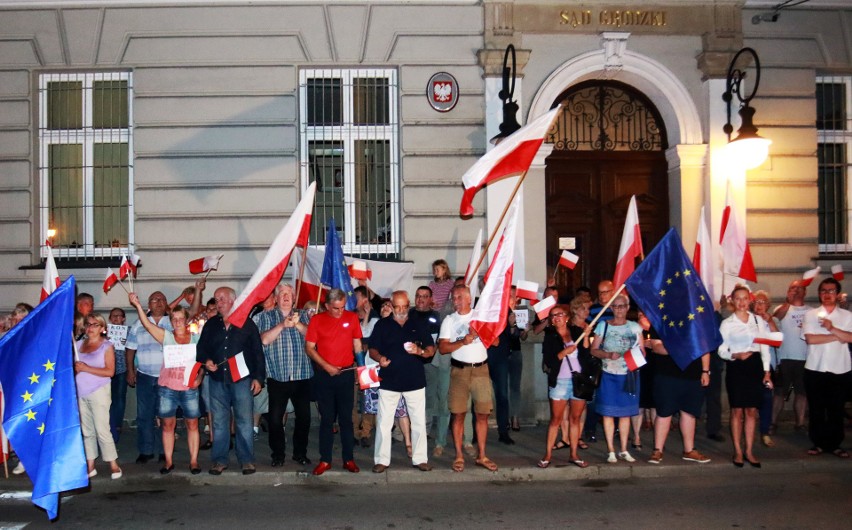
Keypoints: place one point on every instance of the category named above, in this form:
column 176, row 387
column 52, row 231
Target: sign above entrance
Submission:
column 614, row 18
column 442, row 91
column 567, row 243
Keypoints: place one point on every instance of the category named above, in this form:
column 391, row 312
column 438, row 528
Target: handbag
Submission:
column 585, row 383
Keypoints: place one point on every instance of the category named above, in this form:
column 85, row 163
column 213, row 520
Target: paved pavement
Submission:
column 516, row 463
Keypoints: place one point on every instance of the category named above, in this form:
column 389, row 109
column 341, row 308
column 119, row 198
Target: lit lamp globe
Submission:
column 748, row 150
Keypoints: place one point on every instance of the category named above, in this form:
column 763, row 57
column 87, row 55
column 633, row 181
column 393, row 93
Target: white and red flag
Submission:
column 272, row 268
column 489, row 315
column 702, row 254
column 510, row 157
column 133, row 264
column 527, row 290
column 110, row 281
column 359, row 270
column 207, row 263
column 124, row 268
column 736, row 253
column 387, row 276
column 568, row 259
column 238, row 367
column 190, row 373
column 808, row 276
column 542, row 309
column 770, row 338
column 634, row 358
column 631, row 246
column 368, row 377
column 837, row 272
column 51, row 275
column 471, row 277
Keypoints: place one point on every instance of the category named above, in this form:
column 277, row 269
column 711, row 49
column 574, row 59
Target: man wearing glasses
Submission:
column 827, row 330
column 331, row 340
column 402, row 346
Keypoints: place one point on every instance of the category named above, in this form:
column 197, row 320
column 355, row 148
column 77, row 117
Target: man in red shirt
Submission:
column 331, row 340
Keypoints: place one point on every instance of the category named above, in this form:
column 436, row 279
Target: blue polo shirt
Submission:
column 405, row 371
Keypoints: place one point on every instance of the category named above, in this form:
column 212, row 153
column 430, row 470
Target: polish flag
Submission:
column 770, row 338
column 271, row 269
column 634, row 358
column 471, row 277
column 808, row 276
column 238, row 367
column 4, row 440
column 701, row 256
column 736, row 252
column 510, row 157
column 133, row 264
column 569, row 259
column 359, row 271
column 190, row 373
column 837, row 272
column 527, row 290
column 631, row 245
column 489, row 315
column 51, row 275
column 368, row 377
column 542, row 309
column 124, row 268
column 207, row 263
column 110, row 281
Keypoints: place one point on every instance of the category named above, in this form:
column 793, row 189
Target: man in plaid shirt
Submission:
column 289, row 372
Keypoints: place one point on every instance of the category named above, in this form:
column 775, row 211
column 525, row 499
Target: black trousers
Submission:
column 336, row 400
column 299, row 392
column 826, row 398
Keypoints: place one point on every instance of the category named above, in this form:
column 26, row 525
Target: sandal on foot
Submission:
column 458, row 465
column 408, row 450
column 579, row 463
column 560, row 445
column 544, row 464
column 582, row 445
column 486, row 463
column 840, row 453
column 815, row 451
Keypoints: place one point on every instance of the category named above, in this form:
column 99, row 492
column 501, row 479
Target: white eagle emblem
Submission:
column 443, row 91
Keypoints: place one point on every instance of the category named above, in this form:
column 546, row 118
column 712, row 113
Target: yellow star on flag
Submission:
column 677, row 274
column 692, row 316
column 33, row 379
column 700, row 309
column 669, row 281
column 671, row 323
column 27, row 396
column 662, row 292
column 701, row 297
column 41, row 428
column 49, row 401
column 665, row 317
column 680, row 324
column 30, row 415
column 661, row 305
column 687, row 272
column 48, row 366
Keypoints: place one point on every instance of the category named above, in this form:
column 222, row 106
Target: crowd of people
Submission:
column 437, row 378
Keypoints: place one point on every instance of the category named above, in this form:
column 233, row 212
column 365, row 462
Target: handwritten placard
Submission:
column 522, row 318
column 178, row 355
column 117, row 335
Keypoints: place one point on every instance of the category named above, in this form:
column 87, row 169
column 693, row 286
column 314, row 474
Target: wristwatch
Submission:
column 705, row 372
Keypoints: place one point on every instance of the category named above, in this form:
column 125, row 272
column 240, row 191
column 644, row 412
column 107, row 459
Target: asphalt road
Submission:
column 738, row 498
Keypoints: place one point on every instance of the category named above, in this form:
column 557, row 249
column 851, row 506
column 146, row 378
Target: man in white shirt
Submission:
column 469, row 376
column 792, row 354
column 827, row 330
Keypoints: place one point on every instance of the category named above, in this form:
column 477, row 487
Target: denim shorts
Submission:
column 564, row 390
column 187, row 400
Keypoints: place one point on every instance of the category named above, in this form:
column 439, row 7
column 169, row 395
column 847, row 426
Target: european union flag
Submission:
column 335, row 274
column 674, row 299
column 42, row 419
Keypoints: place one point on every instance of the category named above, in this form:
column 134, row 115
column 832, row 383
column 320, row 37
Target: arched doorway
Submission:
column 608, row 144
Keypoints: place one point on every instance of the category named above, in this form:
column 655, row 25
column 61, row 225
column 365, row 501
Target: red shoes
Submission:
column 351, row 466
column 321, row 468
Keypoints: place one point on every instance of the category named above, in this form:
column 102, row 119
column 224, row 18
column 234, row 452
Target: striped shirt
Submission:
column 286, row 359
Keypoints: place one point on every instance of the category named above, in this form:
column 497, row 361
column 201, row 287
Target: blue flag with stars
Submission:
column 335, row 274
column 672, row 296
column 42, row 420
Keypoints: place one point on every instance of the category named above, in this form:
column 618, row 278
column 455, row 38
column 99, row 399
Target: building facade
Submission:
column 178, row 129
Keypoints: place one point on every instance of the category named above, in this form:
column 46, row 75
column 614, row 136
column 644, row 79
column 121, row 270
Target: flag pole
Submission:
column 475, row 270
column 123, row 287
column 601, row 312
column 301, row 274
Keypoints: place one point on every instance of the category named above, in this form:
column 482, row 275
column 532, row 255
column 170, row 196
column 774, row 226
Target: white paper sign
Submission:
column 522, row 318
column 117, row 335
column 178, row 355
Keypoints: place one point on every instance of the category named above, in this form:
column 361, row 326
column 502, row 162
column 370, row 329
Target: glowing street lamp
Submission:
column 748, row 150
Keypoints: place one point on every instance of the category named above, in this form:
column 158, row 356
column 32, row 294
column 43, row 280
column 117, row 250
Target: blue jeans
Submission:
column 119, row 402
column 498, row 368
column 335, row 400
column 148, row 438
column 516, row 369
column 224, row 396
column 437, row 388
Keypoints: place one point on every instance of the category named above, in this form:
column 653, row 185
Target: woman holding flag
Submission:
column 618, row 395
column 172, row 390
column 746, row 373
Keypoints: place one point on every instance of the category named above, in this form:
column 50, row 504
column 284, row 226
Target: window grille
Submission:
column 834, row 139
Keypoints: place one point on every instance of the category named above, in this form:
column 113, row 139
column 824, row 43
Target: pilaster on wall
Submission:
column 687, row 167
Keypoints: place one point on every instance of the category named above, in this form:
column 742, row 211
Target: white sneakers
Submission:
column 611, row 458
column 19, row 469
column 624, row 455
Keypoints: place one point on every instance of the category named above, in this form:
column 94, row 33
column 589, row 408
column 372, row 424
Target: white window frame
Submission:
column 87, row 137
column 348, row 133
column 840, row 137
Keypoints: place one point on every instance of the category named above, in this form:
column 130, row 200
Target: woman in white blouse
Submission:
column 747, row 372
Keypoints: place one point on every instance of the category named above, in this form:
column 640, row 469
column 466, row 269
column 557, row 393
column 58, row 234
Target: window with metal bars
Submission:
column 834, row 139
column 85, row 163
column 349, row 133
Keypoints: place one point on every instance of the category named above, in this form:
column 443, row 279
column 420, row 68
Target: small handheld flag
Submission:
column 837, row 272
column 634, row 358
column 110, row 281
column 808, row 276
column 527, row 290
column 359, row 270
column 542, row 309
column 568, row 259
column 205, row 264
column 237, row 366
column 368, row 377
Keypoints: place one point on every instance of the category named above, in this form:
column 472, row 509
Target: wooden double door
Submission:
column 587, row 194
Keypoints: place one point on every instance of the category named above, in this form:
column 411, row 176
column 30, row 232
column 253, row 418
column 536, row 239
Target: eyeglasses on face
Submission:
column 558, row 315
column 828, row 291
column 620, row 306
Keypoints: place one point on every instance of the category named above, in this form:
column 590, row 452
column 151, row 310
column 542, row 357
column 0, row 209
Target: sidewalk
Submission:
column 516, row 463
